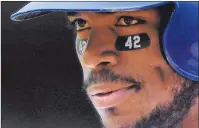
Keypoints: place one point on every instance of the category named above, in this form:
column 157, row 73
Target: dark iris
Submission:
column 80, row 23
column 128, row 20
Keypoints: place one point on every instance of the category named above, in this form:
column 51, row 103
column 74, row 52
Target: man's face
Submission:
column 123, row 85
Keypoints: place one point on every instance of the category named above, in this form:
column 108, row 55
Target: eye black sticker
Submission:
column 81, row 46
column 132, row 42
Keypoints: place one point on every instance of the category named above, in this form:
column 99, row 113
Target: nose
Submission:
column 100, row 51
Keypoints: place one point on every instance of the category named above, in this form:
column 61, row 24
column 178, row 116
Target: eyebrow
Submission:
column 76, row 13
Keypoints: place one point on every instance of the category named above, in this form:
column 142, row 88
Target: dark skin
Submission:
column 156, row 86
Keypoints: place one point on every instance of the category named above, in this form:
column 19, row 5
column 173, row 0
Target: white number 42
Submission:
column 134, row 44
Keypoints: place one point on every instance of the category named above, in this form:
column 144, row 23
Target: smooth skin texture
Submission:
column 157, row 83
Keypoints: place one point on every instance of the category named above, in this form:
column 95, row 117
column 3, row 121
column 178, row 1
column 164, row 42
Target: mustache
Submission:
column 105, row 75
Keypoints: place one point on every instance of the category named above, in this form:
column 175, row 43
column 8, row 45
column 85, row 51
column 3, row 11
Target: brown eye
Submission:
column 127, row 21
column 80, row 24
column 130, row 20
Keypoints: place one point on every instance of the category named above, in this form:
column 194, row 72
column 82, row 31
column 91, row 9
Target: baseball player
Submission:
column 139, row 59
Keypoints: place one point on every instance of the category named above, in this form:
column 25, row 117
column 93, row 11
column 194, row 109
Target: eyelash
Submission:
column 140, row 21
column 73, row 24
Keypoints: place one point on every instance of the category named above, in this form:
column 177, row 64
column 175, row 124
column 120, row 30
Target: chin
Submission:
column 112, row 118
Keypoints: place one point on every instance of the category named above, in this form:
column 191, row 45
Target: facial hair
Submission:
column 105, row 75
column 161, row 116
column 172, row 117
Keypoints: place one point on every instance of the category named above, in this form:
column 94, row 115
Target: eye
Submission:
column 128, row 21
column 80, row 24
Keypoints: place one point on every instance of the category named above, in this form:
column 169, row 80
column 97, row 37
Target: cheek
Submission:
column 83, row 34
column 86, row 71
column 143, row 66
column 132, row 42
column 144, row 62
column 80, row 45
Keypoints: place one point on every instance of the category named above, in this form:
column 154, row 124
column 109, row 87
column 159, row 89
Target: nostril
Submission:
column 104, row 63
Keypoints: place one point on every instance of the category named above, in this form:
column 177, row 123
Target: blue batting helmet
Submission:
column 180, row 38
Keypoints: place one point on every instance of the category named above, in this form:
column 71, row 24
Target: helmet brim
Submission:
column 35, row 9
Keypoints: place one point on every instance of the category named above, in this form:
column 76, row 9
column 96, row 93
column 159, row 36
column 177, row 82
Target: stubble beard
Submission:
column 163, row 116
column 172, row 116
